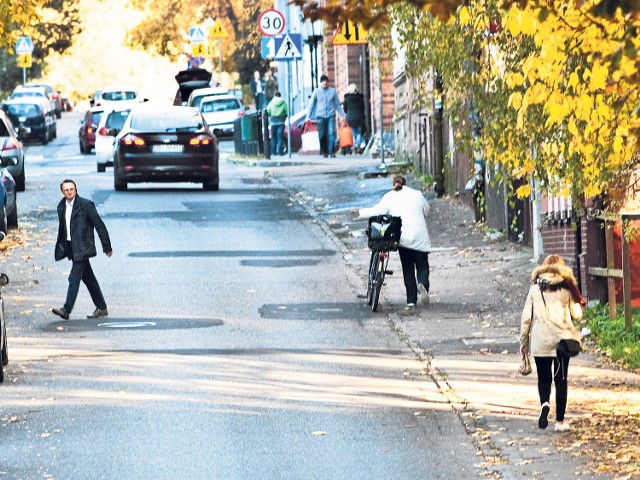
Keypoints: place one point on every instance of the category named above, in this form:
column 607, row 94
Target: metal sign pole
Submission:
column 24, row 75
column 289, row 107
column 220, row 54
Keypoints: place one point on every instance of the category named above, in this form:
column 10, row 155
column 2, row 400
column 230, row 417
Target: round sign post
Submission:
column 271, row 22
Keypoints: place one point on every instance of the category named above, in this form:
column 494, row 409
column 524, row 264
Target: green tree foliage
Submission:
column 166, row 25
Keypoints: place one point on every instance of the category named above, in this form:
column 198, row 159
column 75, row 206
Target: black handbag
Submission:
column 568, row 348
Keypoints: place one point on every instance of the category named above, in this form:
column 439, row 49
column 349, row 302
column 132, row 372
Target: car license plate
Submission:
column 167, row 148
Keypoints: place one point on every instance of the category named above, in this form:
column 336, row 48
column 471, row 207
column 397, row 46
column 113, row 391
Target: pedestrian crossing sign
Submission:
column 288, row 46
column 196, row 35
column 24, row 45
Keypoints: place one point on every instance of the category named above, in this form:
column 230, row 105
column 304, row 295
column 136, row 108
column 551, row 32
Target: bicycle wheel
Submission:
column 379, row 280
column 373, row 267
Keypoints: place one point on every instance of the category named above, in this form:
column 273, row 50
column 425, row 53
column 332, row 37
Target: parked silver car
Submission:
column 12, row 149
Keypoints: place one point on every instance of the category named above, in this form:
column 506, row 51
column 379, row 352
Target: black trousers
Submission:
column 414, row 263
column 550, row 369
column 82, row 271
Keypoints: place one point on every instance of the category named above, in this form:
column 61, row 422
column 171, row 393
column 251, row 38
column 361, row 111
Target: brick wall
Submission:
column 569, row 240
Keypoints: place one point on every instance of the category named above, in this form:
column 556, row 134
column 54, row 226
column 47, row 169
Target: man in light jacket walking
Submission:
column 323, row 107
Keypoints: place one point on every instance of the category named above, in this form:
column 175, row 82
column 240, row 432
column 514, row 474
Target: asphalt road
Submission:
column 236, row 347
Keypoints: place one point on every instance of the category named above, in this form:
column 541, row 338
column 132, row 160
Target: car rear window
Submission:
column 4, row 132
column 153, row 121
column 29, row 93
column 116, row 119
column 95, row 117
column 220, row 105
column 24, row 110
column 118, row 96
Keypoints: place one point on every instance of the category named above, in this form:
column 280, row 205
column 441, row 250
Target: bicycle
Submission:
column 383, row 233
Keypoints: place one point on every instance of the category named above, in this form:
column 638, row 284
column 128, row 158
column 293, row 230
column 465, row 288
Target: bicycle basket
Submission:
column 383, row 232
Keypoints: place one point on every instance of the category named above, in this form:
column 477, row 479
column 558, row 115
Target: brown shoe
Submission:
column 98, row 313
column 61, row 312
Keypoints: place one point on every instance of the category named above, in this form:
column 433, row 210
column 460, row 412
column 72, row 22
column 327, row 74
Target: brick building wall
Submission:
column 569, row 240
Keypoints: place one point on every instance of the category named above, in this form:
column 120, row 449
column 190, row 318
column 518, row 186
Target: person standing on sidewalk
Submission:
column 277, row 111
column 553, row 303
column 323, row 106
column 354, row 110
column 257, row 86
column 411, row 206
column 77, row 219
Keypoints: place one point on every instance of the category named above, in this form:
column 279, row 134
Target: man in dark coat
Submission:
column 78, row 218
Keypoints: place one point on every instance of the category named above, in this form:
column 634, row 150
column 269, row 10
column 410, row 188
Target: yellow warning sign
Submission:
column 212, row 50
column 198, row 49
column 217, row 31
column 24, row 60
column 349, row 33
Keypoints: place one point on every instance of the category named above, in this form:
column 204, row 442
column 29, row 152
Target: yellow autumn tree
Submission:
column 13, row 16
column 575, row 96
column 552, row 87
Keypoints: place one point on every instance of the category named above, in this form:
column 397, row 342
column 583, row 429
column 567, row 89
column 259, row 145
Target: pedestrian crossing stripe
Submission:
column 286, row 48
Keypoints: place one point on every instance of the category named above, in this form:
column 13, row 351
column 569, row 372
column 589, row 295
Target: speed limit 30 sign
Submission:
column 271, row 22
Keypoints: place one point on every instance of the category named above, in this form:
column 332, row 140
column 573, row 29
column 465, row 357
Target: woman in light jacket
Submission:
column 415, row 245
column 553, row 304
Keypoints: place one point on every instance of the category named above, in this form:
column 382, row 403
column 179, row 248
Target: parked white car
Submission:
column 108, row 128
column 220, row 112
column 111, row 98
column 200, row 93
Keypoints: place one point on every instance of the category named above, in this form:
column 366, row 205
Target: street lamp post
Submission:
column 313, row 40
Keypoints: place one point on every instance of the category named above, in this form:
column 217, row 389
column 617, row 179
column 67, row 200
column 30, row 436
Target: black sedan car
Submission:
column 34, row 117
column 161, row 143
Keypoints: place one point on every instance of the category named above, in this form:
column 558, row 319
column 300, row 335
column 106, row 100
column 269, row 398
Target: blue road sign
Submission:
column 24, row 45
column 288, row 46
column 196, row 35
column 267, row 48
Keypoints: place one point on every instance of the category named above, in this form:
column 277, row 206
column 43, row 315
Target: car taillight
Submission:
column 103, row 131
column 10, row 144
column 89, row 130
column 200, row 140
column 241, row 113
column 131, row 139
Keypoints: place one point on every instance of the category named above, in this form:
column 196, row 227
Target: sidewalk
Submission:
column 468, row 336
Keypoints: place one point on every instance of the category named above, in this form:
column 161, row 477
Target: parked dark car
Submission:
column 33, row 118
column 12, row 148
column 165, row 144
column 8, row 196
column 188, row 81
column 88, row 127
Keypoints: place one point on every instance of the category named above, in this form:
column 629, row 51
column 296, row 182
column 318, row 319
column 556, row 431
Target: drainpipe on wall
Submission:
column 437, row 134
